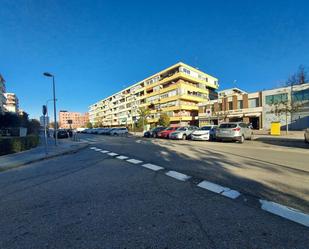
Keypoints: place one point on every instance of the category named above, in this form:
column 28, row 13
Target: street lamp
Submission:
column 54, row 98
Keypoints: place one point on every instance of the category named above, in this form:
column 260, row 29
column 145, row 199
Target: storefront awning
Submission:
column 254, row 114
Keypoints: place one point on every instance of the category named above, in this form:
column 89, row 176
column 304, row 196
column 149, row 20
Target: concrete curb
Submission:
column 26, row 162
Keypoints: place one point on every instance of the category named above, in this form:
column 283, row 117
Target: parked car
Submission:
column 62, row 134
column 154, row 132
column 183, row 132
column 234, row 131
column 306, row 135
column 119, row 131
column 109, row 131
column 205, row 133
column 166, row 132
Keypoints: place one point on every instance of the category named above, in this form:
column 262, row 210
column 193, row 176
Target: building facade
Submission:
column 233, row 105
column 176, row 91
column 12, row 102
column 287, row 105
column 78, row 119
column 2, row 92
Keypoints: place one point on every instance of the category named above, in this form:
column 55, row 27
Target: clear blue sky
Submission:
column 95, row 48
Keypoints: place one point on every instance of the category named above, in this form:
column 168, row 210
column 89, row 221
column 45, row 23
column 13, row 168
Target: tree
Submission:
column 33, row 126
column 89, row 125
column 9, row 120
column 298, row 78
column 52, row 125
column 143, row 115
column 164, row 120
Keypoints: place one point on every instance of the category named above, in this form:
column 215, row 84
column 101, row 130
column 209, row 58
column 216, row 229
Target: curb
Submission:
column 17, row 165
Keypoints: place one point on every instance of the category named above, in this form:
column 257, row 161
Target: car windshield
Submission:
column 182, row 129
column 169, row 129
column 227, row 125
column 206, row 128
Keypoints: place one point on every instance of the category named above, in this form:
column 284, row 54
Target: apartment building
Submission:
column 233, row 105
column 2, row 92
column 12, row 102
column 176, row 91
column 78, row 119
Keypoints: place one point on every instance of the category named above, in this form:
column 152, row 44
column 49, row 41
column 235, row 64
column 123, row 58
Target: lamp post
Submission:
column 54, row 98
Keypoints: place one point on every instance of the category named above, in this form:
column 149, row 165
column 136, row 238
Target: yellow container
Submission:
column 275, row 128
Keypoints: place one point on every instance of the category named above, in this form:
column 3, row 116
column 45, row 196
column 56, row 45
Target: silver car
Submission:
column 183, row 132
column 234, row 131
column 306, row 135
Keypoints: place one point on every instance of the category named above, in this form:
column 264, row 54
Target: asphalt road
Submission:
column 93, row 200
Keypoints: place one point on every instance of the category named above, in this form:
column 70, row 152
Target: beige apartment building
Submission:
column 176, row 91
column 78, row 119
column 2, row 92
column 12, row 102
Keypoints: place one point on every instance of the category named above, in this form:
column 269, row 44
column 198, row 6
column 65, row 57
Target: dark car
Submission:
column 154, row 132
column 62, row 134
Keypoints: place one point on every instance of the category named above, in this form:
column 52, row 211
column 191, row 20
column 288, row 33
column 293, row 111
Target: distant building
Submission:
column 78, row 119
column 46, row 121
column 2, row 92
column 12, row 102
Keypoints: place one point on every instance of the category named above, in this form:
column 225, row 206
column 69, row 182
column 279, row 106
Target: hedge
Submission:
column 9, row 145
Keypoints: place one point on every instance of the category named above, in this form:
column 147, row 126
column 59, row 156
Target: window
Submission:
column 276, row 99
column 253, row 103
column 231, row 105
column 302, row 95
column 240, row 104
column 186, row 71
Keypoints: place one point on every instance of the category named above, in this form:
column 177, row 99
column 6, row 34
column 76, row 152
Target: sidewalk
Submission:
column 65, row 146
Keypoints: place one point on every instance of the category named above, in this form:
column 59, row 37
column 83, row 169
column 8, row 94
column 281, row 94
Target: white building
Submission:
column 289, row 105
column 11, row 103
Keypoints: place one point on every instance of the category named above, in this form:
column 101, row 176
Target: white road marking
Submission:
column 233, row 194
column 92, row 148
column 122, row 157
column 97, row 149
column 104, row 151
column 177, row 175
column 216, row 188
column 112, row 154
column 212, row 187
column 134, row 161
column 152, row 166
column 286, row 212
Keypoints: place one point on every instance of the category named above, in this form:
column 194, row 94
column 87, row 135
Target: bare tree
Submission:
column 298, row 78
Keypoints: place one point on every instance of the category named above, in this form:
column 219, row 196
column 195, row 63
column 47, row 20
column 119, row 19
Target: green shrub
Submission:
column 9, row 145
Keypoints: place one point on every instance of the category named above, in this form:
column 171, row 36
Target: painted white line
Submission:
column 92, row 148
column 104, row 151
column 97, row 149
column 177, row 175
column 152, row 166
column 286, row 212
column 212, row 187
column 113, row 154
column 134, row 161
column 122, row 157
column 233, row 194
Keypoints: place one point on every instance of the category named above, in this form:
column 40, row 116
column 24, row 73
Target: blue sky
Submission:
column 95, row 48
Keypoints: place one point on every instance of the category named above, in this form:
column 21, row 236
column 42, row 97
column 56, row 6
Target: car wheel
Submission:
column 242, row 139
column 154, row 135
column 184, row 137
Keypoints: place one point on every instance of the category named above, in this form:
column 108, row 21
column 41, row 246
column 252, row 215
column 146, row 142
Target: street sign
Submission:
column 44, row 110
